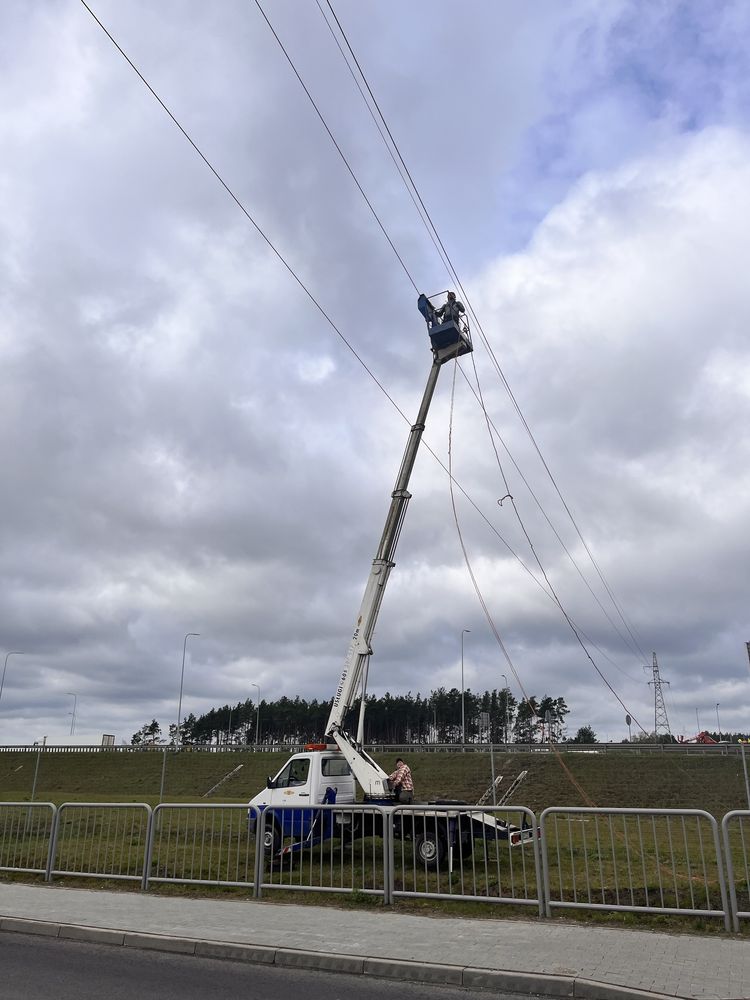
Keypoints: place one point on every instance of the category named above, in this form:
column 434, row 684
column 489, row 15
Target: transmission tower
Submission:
column 661, row 722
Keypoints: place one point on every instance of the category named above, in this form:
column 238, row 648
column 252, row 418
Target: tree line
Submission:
column 442, row 717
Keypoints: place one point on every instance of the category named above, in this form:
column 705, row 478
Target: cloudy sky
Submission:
column 187, row 444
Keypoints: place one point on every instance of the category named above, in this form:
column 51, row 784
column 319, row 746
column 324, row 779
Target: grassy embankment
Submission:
column 711, row 782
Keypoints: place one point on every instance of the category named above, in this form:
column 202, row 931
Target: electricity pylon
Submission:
column 661, row 722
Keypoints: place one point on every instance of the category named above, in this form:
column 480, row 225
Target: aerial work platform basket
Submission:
column 448, row 327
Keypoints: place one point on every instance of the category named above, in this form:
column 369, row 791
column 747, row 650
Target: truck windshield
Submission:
column 295, row 773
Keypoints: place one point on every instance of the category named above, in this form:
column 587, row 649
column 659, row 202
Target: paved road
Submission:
column 533, row 957
column 33, row 967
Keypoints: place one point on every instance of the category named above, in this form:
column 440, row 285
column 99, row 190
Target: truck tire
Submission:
column 430, row 849
column 272, row 838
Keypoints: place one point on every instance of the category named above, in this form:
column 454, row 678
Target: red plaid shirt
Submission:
column 402, row 776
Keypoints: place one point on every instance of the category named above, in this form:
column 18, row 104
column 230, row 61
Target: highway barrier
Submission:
column 642, row 861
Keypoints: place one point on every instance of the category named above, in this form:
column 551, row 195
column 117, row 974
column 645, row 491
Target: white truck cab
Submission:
column 304, row 779
column 307, row 779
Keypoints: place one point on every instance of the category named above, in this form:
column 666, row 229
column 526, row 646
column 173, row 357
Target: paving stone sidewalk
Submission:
column 533, row 957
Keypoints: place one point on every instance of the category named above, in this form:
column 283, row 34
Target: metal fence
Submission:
column 735, row 829
column 26, row 836
column 200, row 843
column 689, row 749
column 328, row 848
column 100, row 840
column 464, row 852
column 638, row 860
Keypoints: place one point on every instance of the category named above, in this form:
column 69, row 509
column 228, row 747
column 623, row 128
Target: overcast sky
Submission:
column 188, row 446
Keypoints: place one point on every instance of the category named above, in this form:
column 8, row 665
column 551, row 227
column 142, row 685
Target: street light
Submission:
column 257, row 716
column 13, row 652
column 718, row 724
column 73, row 713
column 178, row 737
column 463, row 710
column 507, row 692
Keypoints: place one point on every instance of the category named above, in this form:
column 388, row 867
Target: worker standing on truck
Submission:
column 402, row 783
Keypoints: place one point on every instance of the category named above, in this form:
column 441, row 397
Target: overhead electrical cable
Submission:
column 538, row 560
column 490, row 621
column 452, row 271
column 288, row 267
column 335, row 143
column 427, row 225
column 297, row 279
column 494, row 431
column 376, row 121
column 404, row 174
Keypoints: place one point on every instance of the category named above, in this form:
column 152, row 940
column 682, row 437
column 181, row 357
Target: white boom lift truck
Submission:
column 326, row 772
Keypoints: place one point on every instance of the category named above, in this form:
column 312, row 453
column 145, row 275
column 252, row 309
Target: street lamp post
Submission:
column 718, row 724
column 13, row 652
column 507, row 692
column 73, row 713
column 178, row 735
column 463, row 708
column 257, row 717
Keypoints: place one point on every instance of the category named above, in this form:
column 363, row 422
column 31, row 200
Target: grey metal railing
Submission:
column 689, row 749
column 26, row 836
column 466, row 852
column 327, row 848
column 735, row 828
column 100, row 840
column 201, row 843
column 635, row 860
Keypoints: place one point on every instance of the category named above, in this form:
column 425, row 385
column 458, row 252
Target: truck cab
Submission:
column 306, row 780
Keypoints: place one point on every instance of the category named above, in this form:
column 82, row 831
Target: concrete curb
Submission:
column 526, row 983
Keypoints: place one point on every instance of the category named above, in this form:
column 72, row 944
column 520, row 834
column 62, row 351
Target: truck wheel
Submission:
column 430, row 849
column 272, row 839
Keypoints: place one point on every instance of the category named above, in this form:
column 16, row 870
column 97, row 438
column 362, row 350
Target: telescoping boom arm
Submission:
column 448, row 340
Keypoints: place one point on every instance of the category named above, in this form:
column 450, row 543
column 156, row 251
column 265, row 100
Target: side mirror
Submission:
column 270, row 783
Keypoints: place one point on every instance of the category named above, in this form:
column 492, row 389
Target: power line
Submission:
column 292, row 272
column 494, row 431
column 404, row 173
column 339, row 150
column 301, row 284
column 452, row 271
column 576, row 632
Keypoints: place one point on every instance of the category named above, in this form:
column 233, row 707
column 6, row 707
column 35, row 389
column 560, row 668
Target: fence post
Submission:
column 52, row 845
column 545, row 894
column 150, row 835
column 260, row 857
column 388, row 859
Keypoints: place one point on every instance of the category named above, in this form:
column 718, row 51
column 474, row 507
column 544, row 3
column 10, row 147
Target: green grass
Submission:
column 714, row 783
column 711, row 782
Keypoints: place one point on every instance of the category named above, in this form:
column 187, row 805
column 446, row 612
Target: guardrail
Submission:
column 26, row 836
column 723, row 749
column 633, row 860
column 201, row 843
column 735, row 828
column 327, row 848
column 646, row 861
column 465, row 852
column 100, row 840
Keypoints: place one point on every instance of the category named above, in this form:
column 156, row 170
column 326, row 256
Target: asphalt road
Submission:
column 33, row 967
